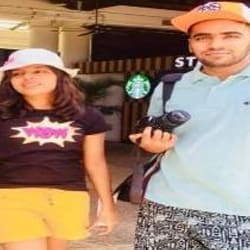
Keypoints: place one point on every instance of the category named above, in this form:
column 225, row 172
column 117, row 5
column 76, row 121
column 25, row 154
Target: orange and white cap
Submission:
column 211, row 11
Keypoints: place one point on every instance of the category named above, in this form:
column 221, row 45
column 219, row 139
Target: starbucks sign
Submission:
column 138, row 86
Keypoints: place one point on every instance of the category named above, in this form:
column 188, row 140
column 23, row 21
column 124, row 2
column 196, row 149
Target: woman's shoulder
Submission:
column 91, row 110
column 93, row 120
column 89, row 114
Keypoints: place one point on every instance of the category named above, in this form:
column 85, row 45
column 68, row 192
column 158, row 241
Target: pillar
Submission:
column 74, row 48
column 44, row 37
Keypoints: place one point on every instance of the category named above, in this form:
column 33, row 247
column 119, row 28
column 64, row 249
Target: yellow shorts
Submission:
column 30, row 213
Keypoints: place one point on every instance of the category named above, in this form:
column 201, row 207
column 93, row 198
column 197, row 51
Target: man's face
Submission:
column 220, row 43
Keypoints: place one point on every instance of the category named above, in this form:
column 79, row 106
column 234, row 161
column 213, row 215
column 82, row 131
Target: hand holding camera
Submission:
column 166, row 122
column 154, row 133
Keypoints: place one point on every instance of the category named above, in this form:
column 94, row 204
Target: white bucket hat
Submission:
column 25, row 57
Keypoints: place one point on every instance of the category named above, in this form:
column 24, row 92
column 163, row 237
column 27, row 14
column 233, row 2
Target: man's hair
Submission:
column 68, row 100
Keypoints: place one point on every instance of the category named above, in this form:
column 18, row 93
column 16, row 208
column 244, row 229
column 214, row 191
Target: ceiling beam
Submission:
column 182, row 5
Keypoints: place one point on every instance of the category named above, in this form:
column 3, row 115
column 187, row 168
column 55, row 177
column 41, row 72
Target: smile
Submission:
column 31, row 85
column 216, row 53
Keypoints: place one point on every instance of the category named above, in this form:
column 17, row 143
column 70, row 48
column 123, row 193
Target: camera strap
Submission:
column 143, row 171
column 168, row 81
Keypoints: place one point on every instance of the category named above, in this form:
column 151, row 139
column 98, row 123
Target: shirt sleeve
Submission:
column 94, row 121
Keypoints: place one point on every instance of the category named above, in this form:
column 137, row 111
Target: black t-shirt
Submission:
column 40, row 150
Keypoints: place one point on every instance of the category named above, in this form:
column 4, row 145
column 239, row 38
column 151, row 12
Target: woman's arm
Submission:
column 97, row 169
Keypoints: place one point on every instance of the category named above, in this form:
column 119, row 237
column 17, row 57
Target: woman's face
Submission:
column 34, row 81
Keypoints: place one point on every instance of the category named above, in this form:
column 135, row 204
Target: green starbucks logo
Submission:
column 138, row 86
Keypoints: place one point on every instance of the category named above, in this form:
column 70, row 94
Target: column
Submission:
column 74, row 48
column 44, row 37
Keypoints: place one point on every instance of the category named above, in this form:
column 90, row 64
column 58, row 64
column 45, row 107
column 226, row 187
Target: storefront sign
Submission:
column 185, row 62
column 138, row 86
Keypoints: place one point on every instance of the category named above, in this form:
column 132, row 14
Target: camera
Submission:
column 166, row 122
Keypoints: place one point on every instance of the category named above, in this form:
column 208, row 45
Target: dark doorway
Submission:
column 137, row 44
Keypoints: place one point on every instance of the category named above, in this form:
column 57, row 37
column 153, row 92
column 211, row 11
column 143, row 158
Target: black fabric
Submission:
column 40, row 150
column 168, row 85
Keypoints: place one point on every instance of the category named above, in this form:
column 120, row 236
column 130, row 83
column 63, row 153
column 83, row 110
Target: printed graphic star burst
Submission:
column 46, row 131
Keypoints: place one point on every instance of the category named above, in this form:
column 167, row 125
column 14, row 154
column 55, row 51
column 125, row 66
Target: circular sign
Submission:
column 138, row 86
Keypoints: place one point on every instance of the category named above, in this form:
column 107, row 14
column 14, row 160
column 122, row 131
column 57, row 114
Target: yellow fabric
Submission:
column 29, row 213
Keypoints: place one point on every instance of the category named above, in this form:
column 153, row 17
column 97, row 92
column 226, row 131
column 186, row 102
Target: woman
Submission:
column 46, row 132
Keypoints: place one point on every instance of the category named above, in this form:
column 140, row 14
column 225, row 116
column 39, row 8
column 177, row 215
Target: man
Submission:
column 200, row 197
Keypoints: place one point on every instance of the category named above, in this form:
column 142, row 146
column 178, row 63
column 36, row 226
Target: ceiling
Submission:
column 155, row 4
column 76, row 14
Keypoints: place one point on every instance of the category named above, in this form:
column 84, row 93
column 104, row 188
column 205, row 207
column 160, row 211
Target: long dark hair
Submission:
column 68, row 100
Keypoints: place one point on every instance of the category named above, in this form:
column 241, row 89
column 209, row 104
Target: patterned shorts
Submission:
column 164, row 228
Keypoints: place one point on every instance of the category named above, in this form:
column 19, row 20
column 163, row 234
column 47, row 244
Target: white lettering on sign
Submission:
column 185, row 61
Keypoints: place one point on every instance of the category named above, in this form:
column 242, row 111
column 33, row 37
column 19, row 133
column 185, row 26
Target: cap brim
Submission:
column 184, row 22
column 71, row 72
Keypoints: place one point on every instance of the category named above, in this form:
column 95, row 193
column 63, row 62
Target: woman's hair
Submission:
column 68, row 100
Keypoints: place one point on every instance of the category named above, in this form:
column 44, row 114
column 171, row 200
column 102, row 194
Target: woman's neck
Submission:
column 39, row 103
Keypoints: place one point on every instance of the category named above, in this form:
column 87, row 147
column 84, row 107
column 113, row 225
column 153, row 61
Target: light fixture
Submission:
column 79, row 4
